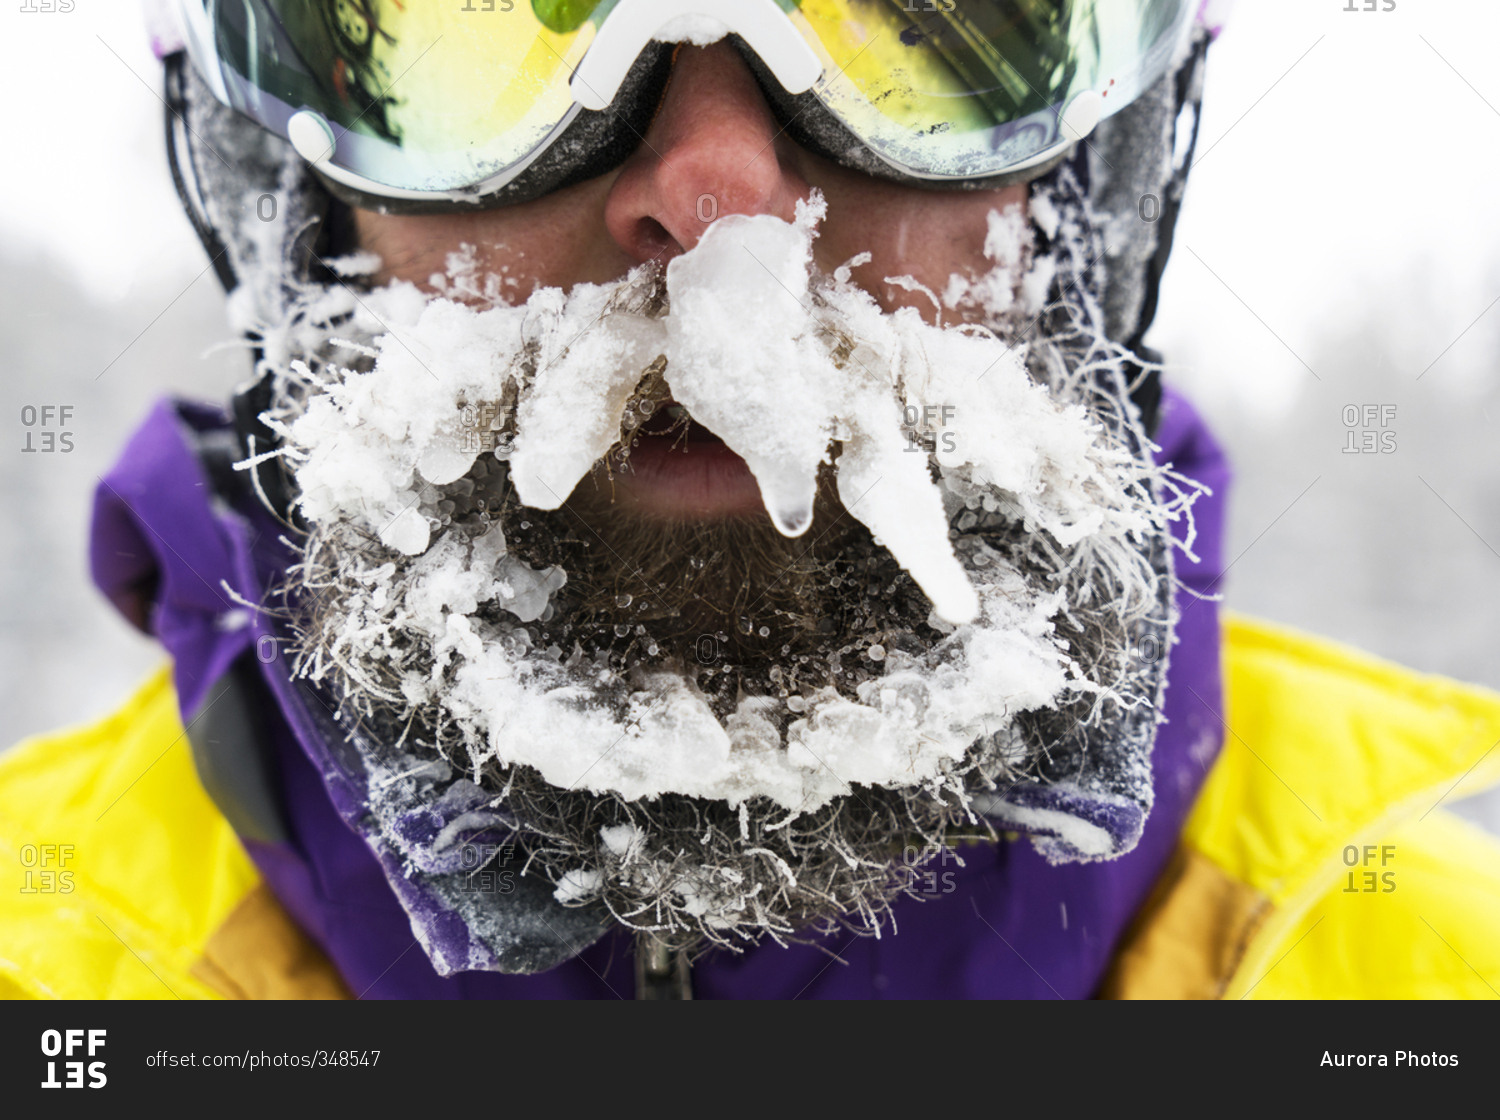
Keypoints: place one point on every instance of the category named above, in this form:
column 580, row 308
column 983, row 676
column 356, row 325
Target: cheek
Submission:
column 926, row 235
column 556, row 241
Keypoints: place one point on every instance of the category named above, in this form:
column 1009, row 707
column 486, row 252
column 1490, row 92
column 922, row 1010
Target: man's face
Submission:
column 714, row 148
column 658, row 665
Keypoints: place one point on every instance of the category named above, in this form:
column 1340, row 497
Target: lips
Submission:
column 678, row 470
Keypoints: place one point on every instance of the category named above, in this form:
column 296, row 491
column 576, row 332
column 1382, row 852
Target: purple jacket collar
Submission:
column 166, row 549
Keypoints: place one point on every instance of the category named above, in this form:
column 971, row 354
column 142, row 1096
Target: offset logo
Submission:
column 921, row 424
column 46, row 868
column 1360, row 420
column 66, row 1044
column 43, row 427
column 1368, row 881
column 931, row 882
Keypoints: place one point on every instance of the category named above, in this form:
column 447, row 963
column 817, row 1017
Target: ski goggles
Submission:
column 418, row 104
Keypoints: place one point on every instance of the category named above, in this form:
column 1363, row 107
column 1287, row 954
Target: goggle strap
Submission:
column 184, row 170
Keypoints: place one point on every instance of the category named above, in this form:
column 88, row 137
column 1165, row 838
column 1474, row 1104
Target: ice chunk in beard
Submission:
column 749, row 356
column 744, row 357
column 589, row 363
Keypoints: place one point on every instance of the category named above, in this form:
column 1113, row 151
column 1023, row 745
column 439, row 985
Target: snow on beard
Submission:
column 433, row 472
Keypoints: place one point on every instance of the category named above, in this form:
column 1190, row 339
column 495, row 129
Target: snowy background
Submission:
column 1338, row 248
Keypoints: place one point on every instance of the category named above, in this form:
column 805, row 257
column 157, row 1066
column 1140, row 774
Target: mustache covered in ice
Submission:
column 750, row 353
column 427, row 420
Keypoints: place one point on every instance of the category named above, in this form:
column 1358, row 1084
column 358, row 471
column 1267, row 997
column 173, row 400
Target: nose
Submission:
column 710, row 150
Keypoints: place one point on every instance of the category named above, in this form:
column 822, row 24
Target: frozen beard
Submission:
column 720, row 730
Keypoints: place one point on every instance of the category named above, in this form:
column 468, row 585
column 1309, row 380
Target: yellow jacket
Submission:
column 1317, row 863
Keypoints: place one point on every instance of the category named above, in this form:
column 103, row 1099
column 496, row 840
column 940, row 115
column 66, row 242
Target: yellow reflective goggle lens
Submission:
column 419, row 95
column 966, row 88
